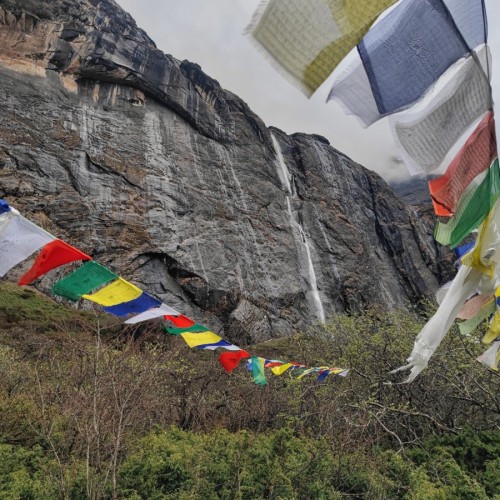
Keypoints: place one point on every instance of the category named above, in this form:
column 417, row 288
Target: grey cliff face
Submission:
column 147, row 164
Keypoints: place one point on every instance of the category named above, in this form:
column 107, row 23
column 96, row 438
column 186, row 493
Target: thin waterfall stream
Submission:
column 285, row 177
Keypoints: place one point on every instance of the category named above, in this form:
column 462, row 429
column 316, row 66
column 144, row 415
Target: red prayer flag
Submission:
column 230, row 360
column 54, row 254
column 476, row 156
column 180, row 321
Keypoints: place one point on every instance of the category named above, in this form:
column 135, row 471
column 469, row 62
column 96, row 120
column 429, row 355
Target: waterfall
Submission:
column 285, row 177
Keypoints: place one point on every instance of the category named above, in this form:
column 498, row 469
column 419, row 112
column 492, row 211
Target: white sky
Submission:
column 210, row 33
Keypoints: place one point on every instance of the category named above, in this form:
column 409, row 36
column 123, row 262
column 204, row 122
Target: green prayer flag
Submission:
column 85, row 279
column 468, row 326
column 192, row 329
column 258, row 370
column 472, row 209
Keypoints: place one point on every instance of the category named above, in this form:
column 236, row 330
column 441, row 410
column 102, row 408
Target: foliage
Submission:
column 92, row 408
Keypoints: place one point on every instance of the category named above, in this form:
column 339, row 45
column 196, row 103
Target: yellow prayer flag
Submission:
column 307, row 39
column 306, row 372
column 116, row 293
column 196, row 339
column 475, row 258
column 336, row 371
column 279, row 370
column 494, row 330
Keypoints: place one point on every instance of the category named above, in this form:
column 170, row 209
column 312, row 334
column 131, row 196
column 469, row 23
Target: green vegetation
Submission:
column 90, row 408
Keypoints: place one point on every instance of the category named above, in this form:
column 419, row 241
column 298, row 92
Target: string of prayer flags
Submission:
column 116, row 295
column 136, row 306
column 257, row 367
column 53, row 255
column 472, row 209
column 231, row 359
column 428, row 59
column 156, row 312
column 306, row 39
column 475, row 157
column 19, row 239
column 86, row 278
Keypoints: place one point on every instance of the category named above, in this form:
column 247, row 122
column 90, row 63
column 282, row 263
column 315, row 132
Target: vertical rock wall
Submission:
column 150, row 166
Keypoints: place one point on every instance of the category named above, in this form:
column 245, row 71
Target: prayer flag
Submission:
column 230, row 360
column 426, row 133
column 222, row 343
column 54, row 254
column 180, row 321
column 19, row 239
column 471, row 324
column 494, row 330
column 115, row 293
column 307, row 372
column 83, row 280
column 4, row 207
column 491, row 357
column 136, row 306
column 156, row 312
column 475, row 157
column 472, row 307
column 406, row 52
column 279, row 370
column 307, row 39
column 461, row 250
column 488, row 237
column 196, row 339
column 258, row 371
column 193, row 329
column 472, row 209
column 331, row 371
column 270, row 363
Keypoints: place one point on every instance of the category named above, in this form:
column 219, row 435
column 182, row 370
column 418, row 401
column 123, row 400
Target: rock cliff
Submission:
column 146, row 163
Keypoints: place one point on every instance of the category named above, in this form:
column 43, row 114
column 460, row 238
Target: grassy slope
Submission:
column 86, row 403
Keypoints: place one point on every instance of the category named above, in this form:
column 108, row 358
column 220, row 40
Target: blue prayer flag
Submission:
column 4, row 207
column 136, row 306
column 463, row 249
column 408, row 50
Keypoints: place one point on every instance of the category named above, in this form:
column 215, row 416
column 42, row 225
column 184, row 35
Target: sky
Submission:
column 211, row 34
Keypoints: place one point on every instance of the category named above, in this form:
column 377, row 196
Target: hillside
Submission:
column 90, row 408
